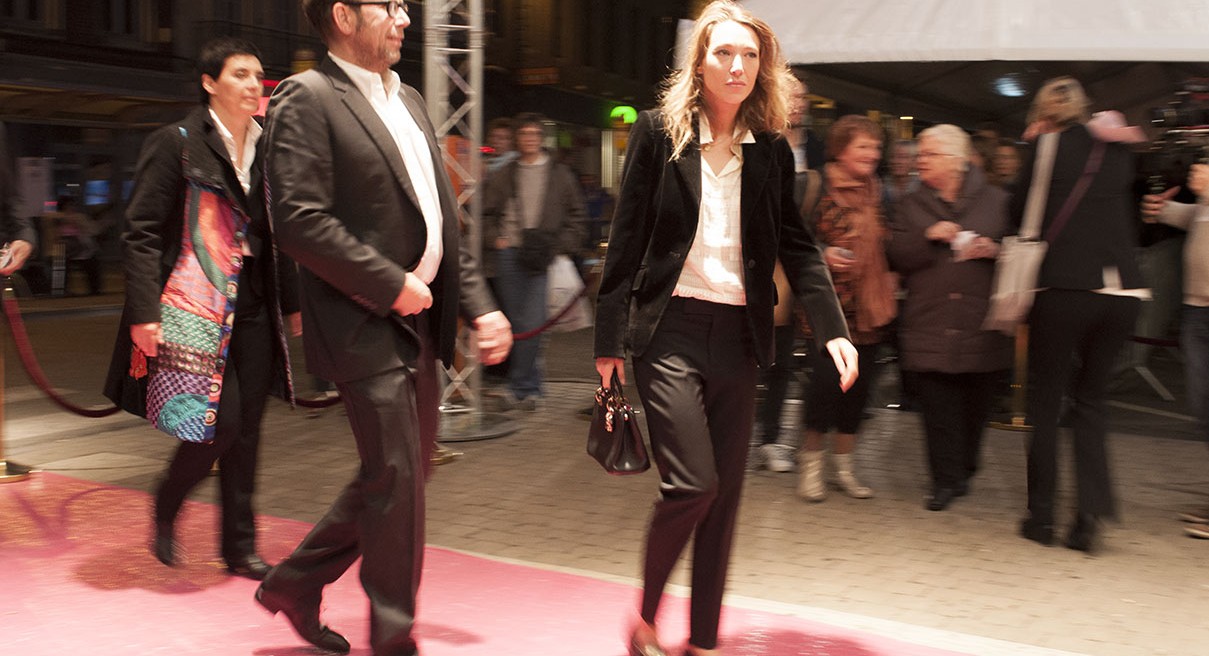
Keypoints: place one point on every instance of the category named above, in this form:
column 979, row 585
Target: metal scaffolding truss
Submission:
column 453, row 86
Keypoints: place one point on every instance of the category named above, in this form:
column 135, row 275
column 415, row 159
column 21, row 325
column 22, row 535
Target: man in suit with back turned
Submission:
column 362, row 202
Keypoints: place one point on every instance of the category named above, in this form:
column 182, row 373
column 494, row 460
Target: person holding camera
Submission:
column 532, row 211
column 1194, row 330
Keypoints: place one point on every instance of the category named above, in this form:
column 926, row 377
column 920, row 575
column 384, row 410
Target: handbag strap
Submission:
column 1038, row 190
column 1094, row 159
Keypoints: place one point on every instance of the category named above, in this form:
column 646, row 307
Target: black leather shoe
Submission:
column 164, row 545
column 1037, row 531
column 303, row 615
column 1084, row 535
column 252, row 567
column 941, row 498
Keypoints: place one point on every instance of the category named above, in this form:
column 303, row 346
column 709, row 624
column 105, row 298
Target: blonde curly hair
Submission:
column 765, row 110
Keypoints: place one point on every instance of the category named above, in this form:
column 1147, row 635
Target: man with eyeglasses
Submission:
column 361, row 201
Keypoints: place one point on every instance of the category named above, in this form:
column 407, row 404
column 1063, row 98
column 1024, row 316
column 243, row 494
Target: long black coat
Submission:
column 656, row 220
column 152, row 242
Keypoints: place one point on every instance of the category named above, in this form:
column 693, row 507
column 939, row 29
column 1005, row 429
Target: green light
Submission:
column 626, row 113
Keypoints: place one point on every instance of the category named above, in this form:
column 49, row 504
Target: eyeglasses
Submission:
column 928, row 155
column 393, row 7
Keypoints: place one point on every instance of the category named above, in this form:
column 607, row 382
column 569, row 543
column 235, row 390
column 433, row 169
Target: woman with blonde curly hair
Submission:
column 705, row 210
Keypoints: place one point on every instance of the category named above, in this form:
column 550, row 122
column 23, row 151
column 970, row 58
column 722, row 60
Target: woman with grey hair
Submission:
column 944, row 239
column 1091, row 291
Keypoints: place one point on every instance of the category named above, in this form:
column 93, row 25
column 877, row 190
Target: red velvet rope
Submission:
column 30, row 362
column 529, row 334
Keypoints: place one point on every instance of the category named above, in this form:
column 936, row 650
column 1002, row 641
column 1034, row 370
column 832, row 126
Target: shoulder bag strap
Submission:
column 1038, row 190
column 1094, row 159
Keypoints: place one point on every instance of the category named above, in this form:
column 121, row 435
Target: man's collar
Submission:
column 365, row 79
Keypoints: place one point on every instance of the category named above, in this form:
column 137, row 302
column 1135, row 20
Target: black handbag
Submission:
column 614, row 439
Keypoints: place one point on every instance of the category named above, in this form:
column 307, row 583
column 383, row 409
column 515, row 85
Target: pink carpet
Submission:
column 76, row 578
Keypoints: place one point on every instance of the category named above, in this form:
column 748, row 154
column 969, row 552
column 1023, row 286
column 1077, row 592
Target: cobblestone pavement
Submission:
column 960, row 579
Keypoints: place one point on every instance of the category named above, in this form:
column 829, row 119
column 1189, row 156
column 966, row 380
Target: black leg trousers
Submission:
column 697, row 383
column 1074, row 339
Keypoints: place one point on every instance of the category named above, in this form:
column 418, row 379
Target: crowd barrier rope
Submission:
column 29, row 360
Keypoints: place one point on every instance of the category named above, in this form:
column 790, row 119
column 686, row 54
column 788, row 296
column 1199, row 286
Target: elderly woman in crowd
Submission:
column 944, row 242
column 849, row 220
column 1091, row 290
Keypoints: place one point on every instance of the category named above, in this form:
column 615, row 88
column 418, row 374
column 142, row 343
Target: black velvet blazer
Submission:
column 654, row 226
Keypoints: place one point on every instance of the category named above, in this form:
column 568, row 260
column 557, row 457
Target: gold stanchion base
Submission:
column 11, row 472
column 442, row 455
column 1016, row 424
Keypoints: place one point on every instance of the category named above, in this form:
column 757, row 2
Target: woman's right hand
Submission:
column 838, row 259
column 1152, row 204
column 606, row 366
column 943, row 231
column 147, row 337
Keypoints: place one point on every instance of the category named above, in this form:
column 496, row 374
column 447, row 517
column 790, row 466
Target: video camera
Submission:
column 1186, row 140
column 1190, row 109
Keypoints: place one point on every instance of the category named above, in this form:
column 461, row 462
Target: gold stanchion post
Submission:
column 10, row 472
column 1019, row 420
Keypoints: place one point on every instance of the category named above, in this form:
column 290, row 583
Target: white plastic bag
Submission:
column 564, row 287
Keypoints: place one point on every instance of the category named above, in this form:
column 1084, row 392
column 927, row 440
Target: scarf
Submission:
column 865, row 236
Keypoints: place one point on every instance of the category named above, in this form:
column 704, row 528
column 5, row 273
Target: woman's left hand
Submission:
column 981, row 248
column 844, row 354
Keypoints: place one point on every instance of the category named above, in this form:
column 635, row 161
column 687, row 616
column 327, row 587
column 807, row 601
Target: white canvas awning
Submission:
column 833, row 31
column 948, row 60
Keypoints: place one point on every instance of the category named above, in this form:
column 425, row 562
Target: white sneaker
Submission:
column 777, row 457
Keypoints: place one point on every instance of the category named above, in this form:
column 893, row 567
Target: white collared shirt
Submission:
column 713, row 269
column 383, row 96
column 244, row 172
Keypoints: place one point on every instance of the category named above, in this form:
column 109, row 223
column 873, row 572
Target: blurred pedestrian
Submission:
column 944, row 240
column 1091, row 290
column 532, row 211
column 687, row 291
column 773, row 453
column 16, row 231
column 850, row 221
column 1194, row 331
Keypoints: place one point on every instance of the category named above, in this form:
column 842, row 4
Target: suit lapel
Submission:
column 352, row 98
column 757, row 159
column 689, row 166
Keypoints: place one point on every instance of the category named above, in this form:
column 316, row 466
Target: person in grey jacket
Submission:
column 533, row 210
column 944, row 242
column 1194, row 330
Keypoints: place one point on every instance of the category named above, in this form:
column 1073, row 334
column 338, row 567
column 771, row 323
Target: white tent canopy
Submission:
column 945, row 60
column 822, row 31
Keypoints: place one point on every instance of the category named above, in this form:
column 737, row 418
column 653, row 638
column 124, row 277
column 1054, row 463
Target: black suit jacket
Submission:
column 171, row 156
column 346, row 211
column 1101, row 229
column 13, row 226
column 654, row 225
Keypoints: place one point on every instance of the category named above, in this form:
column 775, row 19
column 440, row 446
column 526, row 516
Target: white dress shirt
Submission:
column 383, row 96
column 713, row 270
column 243, row 172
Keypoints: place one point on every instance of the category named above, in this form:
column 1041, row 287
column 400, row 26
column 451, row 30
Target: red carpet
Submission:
column 78, row 579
